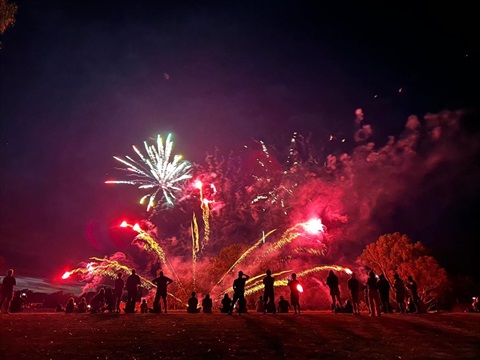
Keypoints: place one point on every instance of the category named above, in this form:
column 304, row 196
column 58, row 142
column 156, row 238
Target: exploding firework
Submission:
column 156, row 172
column 248, row 226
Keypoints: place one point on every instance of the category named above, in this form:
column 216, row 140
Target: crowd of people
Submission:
column 376, row 291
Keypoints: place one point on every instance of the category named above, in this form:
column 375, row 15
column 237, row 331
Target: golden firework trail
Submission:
column 255, row 284
column 151, row 245
column 244, row 255
column 107, row 268
column 195, row 248
column 156, row 172
column 206, row 222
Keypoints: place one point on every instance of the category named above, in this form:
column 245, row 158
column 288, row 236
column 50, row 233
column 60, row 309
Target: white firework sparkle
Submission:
column 156, row 172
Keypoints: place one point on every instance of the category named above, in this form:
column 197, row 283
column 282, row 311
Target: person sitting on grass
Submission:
column 283, row 305
column 98, row 302
column 260, row 305
column 144, row 306
column 70, row 307
column 192, row 307
column 82, row 306
column 226, row 304
column 207, row 304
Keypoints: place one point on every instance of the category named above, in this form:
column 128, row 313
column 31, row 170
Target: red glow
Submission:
column 66, row 275
column 300, row 288
column 124, row 224
column 314, row 226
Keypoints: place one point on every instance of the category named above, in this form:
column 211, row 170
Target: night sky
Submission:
column 81, row 81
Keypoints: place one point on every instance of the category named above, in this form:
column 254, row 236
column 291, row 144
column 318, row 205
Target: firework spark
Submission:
column 156, row 172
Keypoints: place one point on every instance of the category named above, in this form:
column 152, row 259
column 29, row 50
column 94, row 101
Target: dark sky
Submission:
column 81, row 81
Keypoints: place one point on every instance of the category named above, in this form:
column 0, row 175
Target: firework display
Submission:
column 299, row 217
column 156, row 172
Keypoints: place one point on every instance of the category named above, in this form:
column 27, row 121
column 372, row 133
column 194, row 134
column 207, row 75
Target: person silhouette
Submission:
column 412, row 288
column 268, row 294
column 118, row 291
column 98, row 302
column 238, row 290
column 294, row 293
column 332, row 283
column 399, row 287
column 283, row 305
column 82, row 306
column 109, row 300
column 192, row 307
column 144, row 306
column 373, row 295
column 260, row 305
column 226, row 304
column 384, row 291
column 207, row 304
column 70, row 306
column 162, row 283
column 133, row 281
column 354, row 287
column 6, row 294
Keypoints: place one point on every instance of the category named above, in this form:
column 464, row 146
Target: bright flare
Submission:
column 314, row 226
column 300, row 288
column 66, row 275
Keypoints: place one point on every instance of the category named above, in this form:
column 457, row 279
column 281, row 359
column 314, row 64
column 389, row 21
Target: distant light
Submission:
column 124, row 224
column 66, row 275
column 375, row 96
column 400, row 90
column 348, row 271
column 343, row 140
column 137, row 228
column 300, row 288
column 331, row 137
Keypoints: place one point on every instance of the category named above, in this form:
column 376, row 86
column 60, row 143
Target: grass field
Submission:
column 177, row 335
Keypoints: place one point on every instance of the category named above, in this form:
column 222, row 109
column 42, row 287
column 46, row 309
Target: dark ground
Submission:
column 178, row 335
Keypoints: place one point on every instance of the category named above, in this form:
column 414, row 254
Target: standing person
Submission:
column 6, row 295
column 162, row 282
column 413, row 292
column 268, row 282
column 332, row 283
column 293, row 284
column 373, row 295
column 133, row 281
column 354, row 287
column 238, row 290
column 399, row 287
column 384, row 290
column 118, row 291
